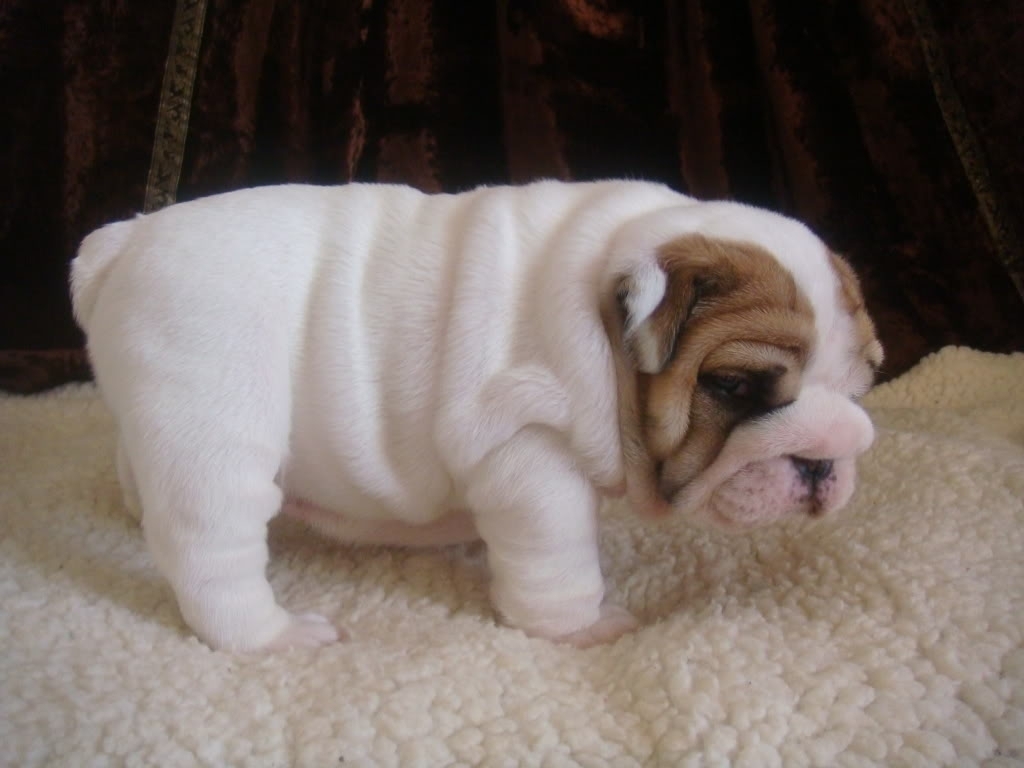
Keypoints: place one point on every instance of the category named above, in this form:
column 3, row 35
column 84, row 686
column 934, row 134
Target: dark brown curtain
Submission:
column 891, row 127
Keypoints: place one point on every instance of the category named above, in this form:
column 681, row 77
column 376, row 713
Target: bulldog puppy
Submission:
column 395, row 367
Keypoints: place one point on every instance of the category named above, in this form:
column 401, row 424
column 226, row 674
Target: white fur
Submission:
column 391, row 357
column 645, row 290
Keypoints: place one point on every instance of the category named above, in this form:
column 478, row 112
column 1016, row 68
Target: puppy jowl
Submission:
column 556, row 343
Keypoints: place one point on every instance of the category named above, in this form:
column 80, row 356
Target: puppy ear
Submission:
column 639, row 294
column 655, row 302
column 853, row 299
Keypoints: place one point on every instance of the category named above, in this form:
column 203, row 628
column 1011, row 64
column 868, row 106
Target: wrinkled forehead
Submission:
column 846, row 352
column 793, row 245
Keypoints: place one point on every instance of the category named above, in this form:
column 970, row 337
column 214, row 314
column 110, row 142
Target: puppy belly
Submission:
column 456, row 527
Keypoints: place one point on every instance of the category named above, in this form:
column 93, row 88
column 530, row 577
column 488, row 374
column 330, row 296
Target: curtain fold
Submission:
column 891, row 128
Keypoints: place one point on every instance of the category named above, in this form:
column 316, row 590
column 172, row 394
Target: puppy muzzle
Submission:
column 816, row 437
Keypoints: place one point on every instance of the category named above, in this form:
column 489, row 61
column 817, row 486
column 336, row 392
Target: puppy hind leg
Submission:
column 126, row 478
column 205, row 515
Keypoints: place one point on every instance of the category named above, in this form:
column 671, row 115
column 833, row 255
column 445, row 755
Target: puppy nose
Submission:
column 812, row 471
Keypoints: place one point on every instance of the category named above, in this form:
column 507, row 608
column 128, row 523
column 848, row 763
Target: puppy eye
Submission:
column 727, row 385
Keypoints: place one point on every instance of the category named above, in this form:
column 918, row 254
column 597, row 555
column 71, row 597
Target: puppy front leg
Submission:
column 537, row 515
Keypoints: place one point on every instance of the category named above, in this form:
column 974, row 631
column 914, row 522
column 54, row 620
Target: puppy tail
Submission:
column 95, row 257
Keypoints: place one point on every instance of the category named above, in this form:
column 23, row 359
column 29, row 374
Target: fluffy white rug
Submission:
column 892, row 635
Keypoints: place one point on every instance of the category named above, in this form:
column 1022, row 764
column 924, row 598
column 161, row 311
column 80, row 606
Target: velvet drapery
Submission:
column 890, row 127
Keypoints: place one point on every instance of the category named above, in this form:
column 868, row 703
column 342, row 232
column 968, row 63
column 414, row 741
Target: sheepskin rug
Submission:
column 890, row 635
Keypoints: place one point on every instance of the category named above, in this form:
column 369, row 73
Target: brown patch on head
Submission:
column 852, row 298
column 727, row 342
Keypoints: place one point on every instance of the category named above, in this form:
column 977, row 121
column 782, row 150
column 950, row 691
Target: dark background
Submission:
column 893, row 127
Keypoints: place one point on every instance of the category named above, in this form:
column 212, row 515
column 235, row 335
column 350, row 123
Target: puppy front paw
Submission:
column 613, row 623
column 306, row 630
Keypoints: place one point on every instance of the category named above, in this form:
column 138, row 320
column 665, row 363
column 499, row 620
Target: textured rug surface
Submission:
column 892, row 635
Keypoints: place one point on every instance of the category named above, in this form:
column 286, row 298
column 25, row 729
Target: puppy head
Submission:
column 742, row 344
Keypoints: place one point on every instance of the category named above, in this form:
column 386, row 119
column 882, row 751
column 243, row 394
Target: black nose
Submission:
column 812, row 471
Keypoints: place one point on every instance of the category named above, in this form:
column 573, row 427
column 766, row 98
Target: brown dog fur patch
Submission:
column 853, row 301
column 732, row 309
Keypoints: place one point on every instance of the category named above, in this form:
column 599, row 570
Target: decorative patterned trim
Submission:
column 966, row 143
column 175, row 104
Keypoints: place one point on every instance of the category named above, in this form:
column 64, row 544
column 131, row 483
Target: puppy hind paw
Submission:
column 613, row 623
column 306, row 630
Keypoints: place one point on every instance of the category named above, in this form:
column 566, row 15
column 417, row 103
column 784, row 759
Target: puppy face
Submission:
column 743, row 380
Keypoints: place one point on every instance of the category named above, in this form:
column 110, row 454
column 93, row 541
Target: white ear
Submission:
column 640, row 292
